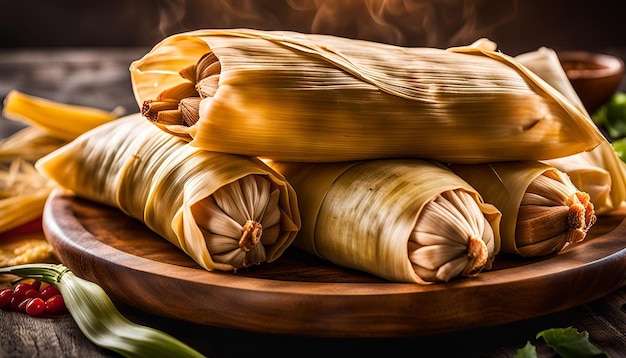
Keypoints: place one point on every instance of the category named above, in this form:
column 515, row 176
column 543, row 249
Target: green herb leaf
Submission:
column 612, row 115
column 528, row 351
column 620, row 148
column 569, row 343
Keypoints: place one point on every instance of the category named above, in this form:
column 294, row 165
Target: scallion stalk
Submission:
column 98, row 318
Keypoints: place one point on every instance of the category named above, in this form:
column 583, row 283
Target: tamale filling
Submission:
column 184, row 99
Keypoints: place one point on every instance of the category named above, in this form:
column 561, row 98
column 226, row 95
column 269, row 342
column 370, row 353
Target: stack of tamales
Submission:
column 413, row 164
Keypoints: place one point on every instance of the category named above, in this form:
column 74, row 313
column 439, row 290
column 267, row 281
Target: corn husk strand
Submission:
column 402, row 220
column 29, row 143
column 23, row 194
column 270, row 86
column 60, row 120
column 598, row 172
column 542, row 210
column 225, row 211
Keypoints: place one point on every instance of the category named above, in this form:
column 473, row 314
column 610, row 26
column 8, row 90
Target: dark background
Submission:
column 516, row 25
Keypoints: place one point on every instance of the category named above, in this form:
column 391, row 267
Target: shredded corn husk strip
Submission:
column 23, row 193
column 30, row 144
column 402, row 220
column 312, row 98
column 26, row 249
column 60, row 120
column 165, row 183
column 599, row 172
column 542, row 210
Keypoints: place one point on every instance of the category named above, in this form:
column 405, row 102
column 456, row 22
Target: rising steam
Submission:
column 433, row 23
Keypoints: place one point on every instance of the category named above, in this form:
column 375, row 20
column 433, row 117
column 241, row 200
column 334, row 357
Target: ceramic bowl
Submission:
column 594, row 76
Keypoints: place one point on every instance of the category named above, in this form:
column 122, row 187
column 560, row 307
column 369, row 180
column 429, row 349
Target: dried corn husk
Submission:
column 23, row 193
column 313, row 98
column 599, row 172
column 29, row 143
column 60, row 120
column 402, row 220
column 542, row 210
column 224, row 211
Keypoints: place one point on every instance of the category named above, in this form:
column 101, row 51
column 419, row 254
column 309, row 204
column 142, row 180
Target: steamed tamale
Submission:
column 599, row 172
column 542, row 210
column 314, row 98
column 405, row 220
column 225, row 211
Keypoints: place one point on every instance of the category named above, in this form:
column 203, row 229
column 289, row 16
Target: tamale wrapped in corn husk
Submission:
column 403, row 220
column 542, row 210
column 225, row 211
column 320, row 98
column 599, row 172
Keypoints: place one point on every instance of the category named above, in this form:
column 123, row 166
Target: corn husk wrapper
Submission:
column 365, row 215
column 599, row 172
column 534, row 222
column 199, row 201
column 316, row 98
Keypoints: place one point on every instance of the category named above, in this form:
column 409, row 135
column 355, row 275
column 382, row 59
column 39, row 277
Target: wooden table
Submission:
column 99, row 78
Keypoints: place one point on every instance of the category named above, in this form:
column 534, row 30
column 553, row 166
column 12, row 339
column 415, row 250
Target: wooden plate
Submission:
column 301, row 295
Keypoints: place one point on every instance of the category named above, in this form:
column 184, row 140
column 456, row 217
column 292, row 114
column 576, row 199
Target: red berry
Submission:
column 35, row 306
column 5, row 297
column 31, row 294
column 22, row 305
column 19, row 291
column 48, row 292
column 15, row 303
column 55, row 304
column 35, row 284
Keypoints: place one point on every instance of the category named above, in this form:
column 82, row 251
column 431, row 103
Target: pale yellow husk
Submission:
column 314, row 98
column 395, row 219
column 599, row 172
column 165, row 183
column 60, row 120
column 562, row 213
column 23, row 194
column 29, row 143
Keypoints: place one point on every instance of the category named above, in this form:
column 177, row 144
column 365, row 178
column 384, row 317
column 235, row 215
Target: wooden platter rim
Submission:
column 610, row 256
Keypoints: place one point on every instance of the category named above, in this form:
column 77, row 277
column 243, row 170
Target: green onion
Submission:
column 98, row 318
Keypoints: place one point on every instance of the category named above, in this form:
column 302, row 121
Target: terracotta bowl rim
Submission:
column 611, row 65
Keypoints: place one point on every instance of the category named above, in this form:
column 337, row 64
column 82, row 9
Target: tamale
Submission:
column 404, row 220
column 225, row 211
column 542, row 210
column 599, row 172
column 317, row 98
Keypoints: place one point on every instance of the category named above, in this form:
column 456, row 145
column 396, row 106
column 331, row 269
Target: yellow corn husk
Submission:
column 23, row 193
column 30, row 144
column 599, row 172
column 224, row 211
column 313, row 98
column 26, row 249
column 542, row 210
column 402, row 220
column 60, row 120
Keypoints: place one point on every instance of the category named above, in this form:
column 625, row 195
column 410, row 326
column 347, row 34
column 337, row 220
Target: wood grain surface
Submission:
column 301, row 295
